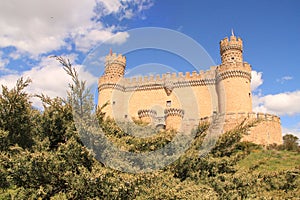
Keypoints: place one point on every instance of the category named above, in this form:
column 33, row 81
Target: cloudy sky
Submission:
column 33, row 30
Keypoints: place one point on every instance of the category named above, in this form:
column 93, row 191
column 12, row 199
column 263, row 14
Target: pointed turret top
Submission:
column 110, row 51
column 232, row 33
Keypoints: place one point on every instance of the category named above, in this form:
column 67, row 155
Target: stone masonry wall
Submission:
column 266, row 131
column 222, row 89
column 190, row 91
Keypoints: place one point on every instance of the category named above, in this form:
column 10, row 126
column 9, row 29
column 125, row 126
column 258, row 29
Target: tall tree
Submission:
column 15, row 114
column 290, row 142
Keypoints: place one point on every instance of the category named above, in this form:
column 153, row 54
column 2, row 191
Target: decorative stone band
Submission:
column 236, row 46
column 176, row 84
column 156, row 86
column 250, row 115
column 115, row 61
column 233, row 74
column 110, row 86
column 147, row 113
column 174, row 112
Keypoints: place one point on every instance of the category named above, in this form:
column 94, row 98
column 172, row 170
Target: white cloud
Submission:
column 284, row 79
column 286, row 103
column 3, row 63
column 48, row 78
column 36, row 27
column 15, row 55
column 256, row 80
column 119, row 38
column 87, row 41
column 132, row 7
column 112, row 6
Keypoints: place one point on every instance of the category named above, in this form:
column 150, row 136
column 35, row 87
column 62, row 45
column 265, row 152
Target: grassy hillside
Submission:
column 270, row 161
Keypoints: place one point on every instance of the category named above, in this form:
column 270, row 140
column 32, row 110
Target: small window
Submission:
column 168, row 104
column 114, row 103
column 125, row 116
column 232, row 58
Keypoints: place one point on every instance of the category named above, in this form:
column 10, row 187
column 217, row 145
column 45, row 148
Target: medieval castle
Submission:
column 168, row 100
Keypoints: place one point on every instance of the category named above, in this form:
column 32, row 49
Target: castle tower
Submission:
column 147, row 115
column 173, row 118
column 233, row 78
column 113, row 74
column 114, row 67
column 231, row 50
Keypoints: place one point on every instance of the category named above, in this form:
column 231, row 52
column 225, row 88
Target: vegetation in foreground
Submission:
column 42, row 157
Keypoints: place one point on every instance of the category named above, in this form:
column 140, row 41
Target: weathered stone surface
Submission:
column 224, row 89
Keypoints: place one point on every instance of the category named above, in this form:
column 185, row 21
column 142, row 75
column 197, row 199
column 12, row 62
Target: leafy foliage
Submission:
column 55, row 121
column 290, row 142
column 16, row 114
column 42, row 157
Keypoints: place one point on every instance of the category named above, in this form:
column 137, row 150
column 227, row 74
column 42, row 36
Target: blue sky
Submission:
column 31, row 30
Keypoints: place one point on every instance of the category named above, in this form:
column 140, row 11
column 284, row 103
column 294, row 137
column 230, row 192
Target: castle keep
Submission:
column 168, row 100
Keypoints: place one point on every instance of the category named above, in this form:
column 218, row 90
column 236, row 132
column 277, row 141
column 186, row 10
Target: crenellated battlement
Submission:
column 114, row 68
column 114, row 58
column 174, row 112
column 158, row 81
column 243, row 115
column 231, row 50
column 265, row 128
column 180, row 76
column 177, row 80
column 233, row 43
column 146, row 113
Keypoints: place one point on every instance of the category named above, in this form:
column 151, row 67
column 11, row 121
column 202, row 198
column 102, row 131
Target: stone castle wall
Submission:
column 170, row 99
column 189, row 90
column 158, row 81
column 266, row 129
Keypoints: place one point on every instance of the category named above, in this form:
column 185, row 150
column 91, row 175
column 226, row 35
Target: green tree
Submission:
column 16, row 114
column 56, row 120
column 290, row 142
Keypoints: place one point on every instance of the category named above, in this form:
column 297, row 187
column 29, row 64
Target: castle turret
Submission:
column 233, row 78
column 114, row 67
column 113, row 74
column 173, row 118
column 147, row 115
column 231, row 50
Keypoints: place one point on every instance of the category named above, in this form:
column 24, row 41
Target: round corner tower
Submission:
column 173, row 118
column 231, row 50
column 114, row 67
column 233, row 78
column 114, row 72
